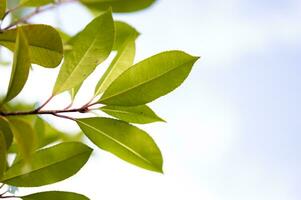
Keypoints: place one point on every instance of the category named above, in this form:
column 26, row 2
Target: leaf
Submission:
column 45, row 44
column 2, row 8
column 124, row 140
column 49, row 165
column 137, row 114
column 118, row 5
column 21, row 67
column 55, row 195
column 35, row 3
column 6, row 131
column 3, row 152
column 91, row 47
column 122, row 32
column 122, row 61
column 24, row 136
column 149, row 79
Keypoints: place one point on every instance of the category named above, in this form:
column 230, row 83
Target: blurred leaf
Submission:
column 49, row 165
column 122, row 61
column 24, row 136
column 3, row 153
column 124, row 140
column 2, row 8
column 137, row 114
column 55, row 195
column 6, row 131
column 45, row 44
column 118, row 5
column 35, row 3
column 122, row 32
column 149, row 79
column 91, row 47
column 21, row 67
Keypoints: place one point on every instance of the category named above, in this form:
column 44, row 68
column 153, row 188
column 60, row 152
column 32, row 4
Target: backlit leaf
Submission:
column 137, row 114
column 3, row 151
column 24, row 136
column 35, row 3
column 6, row 131
column 2, row 8
column 45, row 44
column 122, row 32
column 91, row 47
column 20, row 68
column 124, row 140
column 55, row 195
column 49, row 165
column 118, row 5
column 149, row 79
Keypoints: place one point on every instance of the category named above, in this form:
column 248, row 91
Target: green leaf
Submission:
column 3, row 152
column 35, row 3
column 24, row 136
column 124, row 140
column 49, row 165
column 122, row 61
column 45, row 44
column 137, row 114
column 55, row 195
column 6, row 131
column 91, row 47
column 122, row 32
column 2, row 8
column 21, row 67
column 118, row 5
column 149, row 79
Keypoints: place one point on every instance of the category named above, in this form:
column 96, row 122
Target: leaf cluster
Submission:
column 42, row 154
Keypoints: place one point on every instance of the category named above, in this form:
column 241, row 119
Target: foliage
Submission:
column 44, row 155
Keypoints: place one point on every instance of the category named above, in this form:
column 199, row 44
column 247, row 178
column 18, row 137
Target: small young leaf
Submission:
column 6, row 131
column 49, row 165
column 124, row 140
column 45, row 44
column 3, row 151
column 24, row 136
column 21, row 67
column 2, row 8
column 118, row 5
column 35, row 3
column 55, row 195
column 149, row 79
column 122, row 61
column 91, row 47
column 137, row 114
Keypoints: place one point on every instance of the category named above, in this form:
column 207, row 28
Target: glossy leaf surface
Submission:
column 91, row 47
column 149, row 79
column 20, row 68
column 124, row 140
column 45, row 44
column 55, row 195
column 137, row 114
column 49, row 165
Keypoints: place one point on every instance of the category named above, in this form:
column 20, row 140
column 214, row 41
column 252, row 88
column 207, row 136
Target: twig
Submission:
column 44, row 104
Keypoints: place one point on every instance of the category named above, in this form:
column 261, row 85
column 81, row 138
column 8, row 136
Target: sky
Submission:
column 233, row 128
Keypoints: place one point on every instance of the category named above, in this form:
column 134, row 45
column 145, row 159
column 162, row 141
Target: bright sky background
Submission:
column 233, row 128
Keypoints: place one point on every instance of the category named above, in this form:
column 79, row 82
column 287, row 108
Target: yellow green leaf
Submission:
column 55, row 195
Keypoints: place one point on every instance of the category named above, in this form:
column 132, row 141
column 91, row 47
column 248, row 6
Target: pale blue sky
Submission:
column 233, row 128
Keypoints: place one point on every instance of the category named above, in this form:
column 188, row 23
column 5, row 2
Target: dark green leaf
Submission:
column 137, row 114
column 45, row 44
column 6, row 131
column 49, row 165
column 91, row 47
column 124, row 140
column 118, row 5
column 55, row 195
column 21, row 66
column 149, row 79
